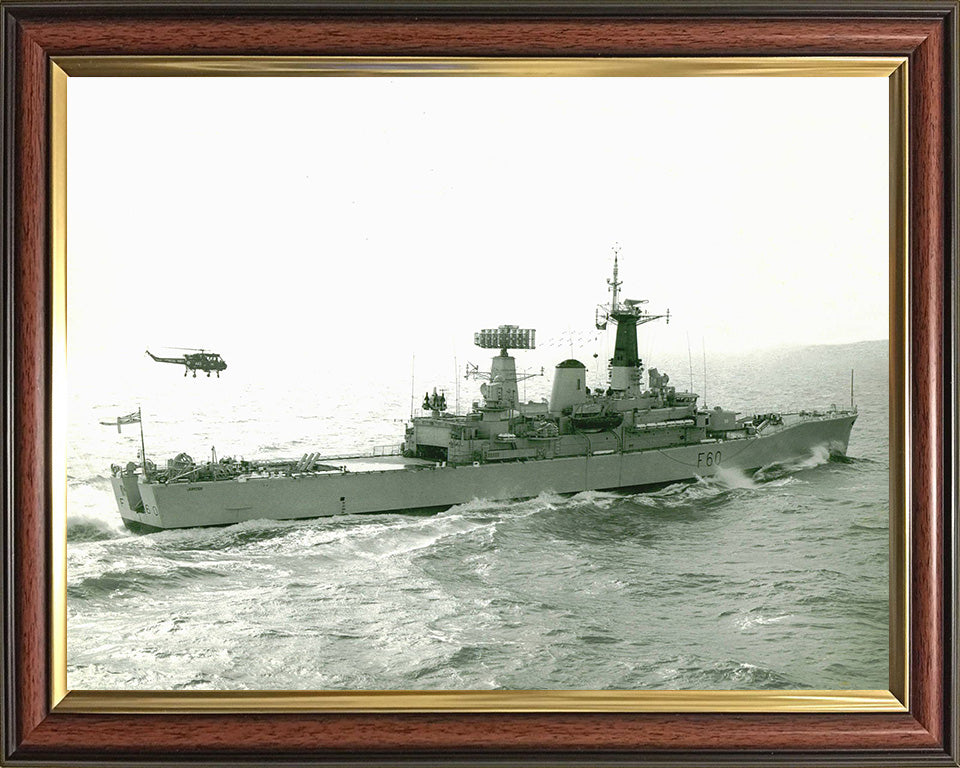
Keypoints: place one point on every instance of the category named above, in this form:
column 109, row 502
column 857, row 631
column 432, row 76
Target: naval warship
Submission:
column 634, row 433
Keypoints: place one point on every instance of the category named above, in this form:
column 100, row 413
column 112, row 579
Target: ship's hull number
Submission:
column 708, row 458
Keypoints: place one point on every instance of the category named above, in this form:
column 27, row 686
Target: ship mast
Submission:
column 625, row 365
column 614, row 284
column 143, row 445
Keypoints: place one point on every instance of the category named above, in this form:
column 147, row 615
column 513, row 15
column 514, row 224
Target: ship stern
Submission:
column 135, row 512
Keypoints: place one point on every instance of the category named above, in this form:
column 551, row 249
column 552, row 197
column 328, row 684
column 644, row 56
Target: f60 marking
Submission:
column 708, row 458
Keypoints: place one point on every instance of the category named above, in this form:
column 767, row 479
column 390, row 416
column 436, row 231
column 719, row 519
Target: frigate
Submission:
column 636, row 432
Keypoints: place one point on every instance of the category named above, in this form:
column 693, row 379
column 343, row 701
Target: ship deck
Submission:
column 386, row 462
column 371, row 464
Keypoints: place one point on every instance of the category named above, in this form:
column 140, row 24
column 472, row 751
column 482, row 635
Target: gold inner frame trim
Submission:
column 131, row 702
column 58, row 387
column 434, row 66
column 899, row 392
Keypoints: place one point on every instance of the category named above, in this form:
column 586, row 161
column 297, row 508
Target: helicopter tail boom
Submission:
column 178, row 360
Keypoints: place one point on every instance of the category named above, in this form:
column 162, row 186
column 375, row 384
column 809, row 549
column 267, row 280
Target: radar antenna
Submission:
column 506, row 337
column 503, row 377
column 503, row 338
column 629, row 310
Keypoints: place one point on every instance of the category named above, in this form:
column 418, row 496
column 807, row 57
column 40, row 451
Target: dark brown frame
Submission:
column 925, row 32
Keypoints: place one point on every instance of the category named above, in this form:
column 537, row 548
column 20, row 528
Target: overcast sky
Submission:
column 377, row 217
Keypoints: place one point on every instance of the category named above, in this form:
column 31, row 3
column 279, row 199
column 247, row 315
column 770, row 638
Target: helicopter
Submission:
column 195, row 360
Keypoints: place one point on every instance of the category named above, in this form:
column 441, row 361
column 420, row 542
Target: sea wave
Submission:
column 759, row 620
column 143, row 580
column 90, row 528
column 694, row 673
column 817, row 457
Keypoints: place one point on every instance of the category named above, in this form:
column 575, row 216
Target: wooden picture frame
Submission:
column 40, row 727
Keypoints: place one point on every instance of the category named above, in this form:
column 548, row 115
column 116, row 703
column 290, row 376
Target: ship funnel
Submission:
column 569, row 385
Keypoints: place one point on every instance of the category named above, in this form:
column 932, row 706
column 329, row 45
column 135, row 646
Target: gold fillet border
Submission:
column 433, row 66
column 131, row 702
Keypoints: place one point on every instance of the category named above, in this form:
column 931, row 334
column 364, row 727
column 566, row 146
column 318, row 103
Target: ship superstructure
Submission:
column 638, row 431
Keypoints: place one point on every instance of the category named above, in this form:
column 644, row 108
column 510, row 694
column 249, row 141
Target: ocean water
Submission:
column 776, row 579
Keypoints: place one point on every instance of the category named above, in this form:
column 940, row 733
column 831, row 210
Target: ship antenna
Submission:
column 143, row 446
column 703, row 344
column 413, row 361
column 614, row 284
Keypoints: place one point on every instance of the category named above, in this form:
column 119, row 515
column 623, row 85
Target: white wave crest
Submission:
column 818, row 456
column 93, row 527
column 731, row 477
column 749, row 622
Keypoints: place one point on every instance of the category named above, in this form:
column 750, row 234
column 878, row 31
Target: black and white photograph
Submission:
column 478, row 383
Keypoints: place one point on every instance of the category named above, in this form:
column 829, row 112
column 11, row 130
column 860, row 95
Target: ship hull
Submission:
column 226, row 502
